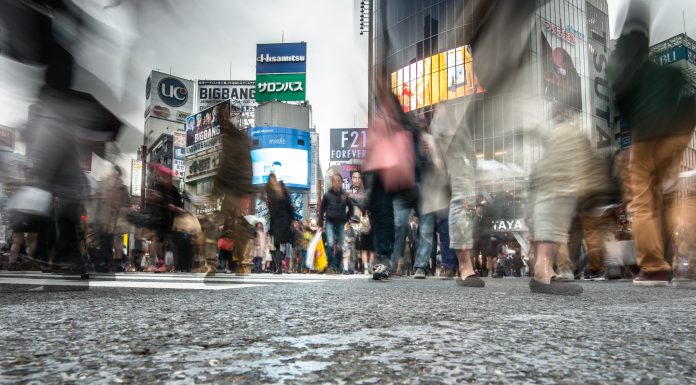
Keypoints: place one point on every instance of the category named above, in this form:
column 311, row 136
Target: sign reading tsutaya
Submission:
column 348, row 144
column 212, row 92
column 600, row 103
column 509, row 225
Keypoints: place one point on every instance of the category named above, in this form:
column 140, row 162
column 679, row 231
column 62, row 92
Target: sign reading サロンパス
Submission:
column 281, row 72
column 285, row 87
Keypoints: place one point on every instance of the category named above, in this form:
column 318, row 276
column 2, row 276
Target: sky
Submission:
column 211, row 39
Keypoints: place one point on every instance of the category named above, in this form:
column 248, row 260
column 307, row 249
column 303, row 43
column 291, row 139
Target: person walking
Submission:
column 336, row 209
column 662, row 118
column 282, row 213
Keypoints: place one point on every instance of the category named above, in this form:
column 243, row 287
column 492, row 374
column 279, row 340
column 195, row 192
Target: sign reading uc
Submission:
column 172, row 92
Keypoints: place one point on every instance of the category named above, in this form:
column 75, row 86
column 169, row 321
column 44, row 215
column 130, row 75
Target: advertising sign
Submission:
column 212, row 92
column 168, row 97
column 281, row 58
column 313, row 162
column 7, row 139
column 674, row 55
column 283, row 87
column 203, row 128
column 136, row 177
column 598, row 52
column 297, row 199
column 348, row 144
column 201, row 166
column 283, row 152
column 443, row 76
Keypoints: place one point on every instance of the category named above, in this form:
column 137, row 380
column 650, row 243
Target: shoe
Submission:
column 420, row 274
column 498, row 274
column 684, row 283
column 380, row 272
column 471, row 281
column 592, row 275
column 448, row 273
column 162, row 269
column 555, row 287
column 565, row 275
column 660, row 278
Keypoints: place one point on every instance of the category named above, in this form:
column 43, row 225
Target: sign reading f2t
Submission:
column 172, row 92
column 281, row 58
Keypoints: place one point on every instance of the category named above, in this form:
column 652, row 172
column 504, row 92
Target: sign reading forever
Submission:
column 348, row 144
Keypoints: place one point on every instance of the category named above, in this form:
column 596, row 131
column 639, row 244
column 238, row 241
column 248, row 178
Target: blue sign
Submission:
column 281, row 58
column 674, row 55
column 281, row 151
column 172, row 92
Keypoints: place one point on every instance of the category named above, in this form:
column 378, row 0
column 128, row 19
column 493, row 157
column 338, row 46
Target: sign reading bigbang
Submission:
column 281, row 72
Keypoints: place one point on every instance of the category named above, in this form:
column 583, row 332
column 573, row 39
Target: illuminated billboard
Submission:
column 443, row 76
column 283, row 152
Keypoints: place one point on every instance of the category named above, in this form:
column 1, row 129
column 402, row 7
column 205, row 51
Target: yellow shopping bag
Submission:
column 320, row 259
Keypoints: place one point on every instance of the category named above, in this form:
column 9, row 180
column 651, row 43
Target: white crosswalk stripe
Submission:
column 37, row 281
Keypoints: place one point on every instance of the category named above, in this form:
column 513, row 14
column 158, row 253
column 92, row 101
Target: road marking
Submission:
column 16, row 281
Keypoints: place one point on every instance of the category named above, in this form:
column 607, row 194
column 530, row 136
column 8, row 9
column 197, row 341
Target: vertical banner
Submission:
column 136, row 177
column 598, row 52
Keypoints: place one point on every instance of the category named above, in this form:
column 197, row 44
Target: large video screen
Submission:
column 283, row 152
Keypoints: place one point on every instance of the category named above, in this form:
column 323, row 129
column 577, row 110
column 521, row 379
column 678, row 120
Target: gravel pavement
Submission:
column 351, row 331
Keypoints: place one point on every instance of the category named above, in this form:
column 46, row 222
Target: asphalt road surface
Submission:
column 301, row 329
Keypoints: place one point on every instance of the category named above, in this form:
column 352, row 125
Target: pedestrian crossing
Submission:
column 37, row 281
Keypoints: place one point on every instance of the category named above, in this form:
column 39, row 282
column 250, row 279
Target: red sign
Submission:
column 7, row 139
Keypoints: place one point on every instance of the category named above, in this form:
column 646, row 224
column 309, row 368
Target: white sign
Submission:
column 213, row 92
column 136, row 177
column 509, row 225
column 168, row 97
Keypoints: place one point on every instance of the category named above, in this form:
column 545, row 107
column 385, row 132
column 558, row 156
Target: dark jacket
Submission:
column 650, row 96
column 337, row 207
column 282, row 215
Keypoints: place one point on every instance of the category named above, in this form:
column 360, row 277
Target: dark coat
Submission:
column 282, row 214
column 234, row 172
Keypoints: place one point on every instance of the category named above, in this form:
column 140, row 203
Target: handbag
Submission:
column 391, row 153
column 31, row 201
column 224, row 243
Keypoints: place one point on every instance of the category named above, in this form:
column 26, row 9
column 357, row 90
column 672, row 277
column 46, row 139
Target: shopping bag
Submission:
column 311, row 250
column 169, row 258
column 320, row 259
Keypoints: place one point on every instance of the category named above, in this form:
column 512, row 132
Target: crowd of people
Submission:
column 420, row 189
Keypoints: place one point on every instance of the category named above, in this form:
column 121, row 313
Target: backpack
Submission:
column 364, row 224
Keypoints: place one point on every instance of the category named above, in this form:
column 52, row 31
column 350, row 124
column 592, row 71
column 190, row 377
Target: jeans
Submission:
column 426, row 227
column 448, row 256
column 402, row 211
column 335, row 232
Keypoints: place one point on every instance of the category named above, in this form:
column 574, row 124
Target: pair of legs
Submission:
column 650, row 164
column 426, row 228
column 335, row 233
column 17, row 241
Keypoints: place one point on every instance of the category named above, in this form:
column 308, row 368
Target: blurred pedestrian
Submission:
column 335, row 210
column 662, row 116
column 282, row 214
